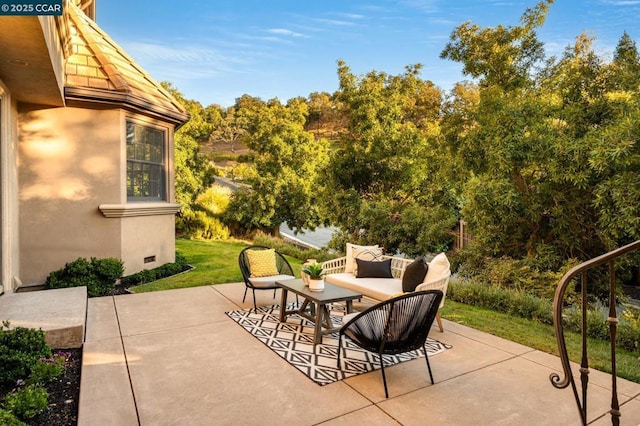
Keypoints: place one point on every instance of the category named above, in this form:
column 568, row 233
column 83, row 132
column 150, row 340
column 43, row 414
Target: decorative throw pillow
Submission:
column 350, row 255
column 262, row 263
column 365, row 254
column 438, row 268
column 414, row 274
column 373, row 269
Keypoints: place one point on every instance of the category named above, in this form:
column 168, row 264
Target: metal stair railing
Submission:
column 568, row 379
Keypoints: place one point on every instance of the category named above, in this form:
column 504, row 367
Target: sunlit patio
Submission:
column 176, row 358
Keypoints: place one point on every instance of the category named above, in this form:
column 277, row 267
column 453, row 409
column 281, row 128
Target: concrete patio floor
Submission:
column 175, row 358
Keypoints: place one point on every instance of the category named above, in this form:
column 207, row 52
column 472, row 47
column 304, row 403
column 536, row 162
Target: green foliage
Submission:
column 20, row 351
column 386, row 183
column 295, row 251
column 287, row 160
column 7, row 418
column 502, row 56
column 314, row 270
column 46, row 370
column 98, row 275
column 147, row 275
column 525, row 305
column 26, row 402
column 513, row 302
column 204, row 220
column 538, row 275
column 192, row 170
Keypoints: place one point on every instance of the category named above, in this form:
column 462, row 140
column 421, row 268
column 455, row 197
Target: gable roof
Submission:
column 98, row 71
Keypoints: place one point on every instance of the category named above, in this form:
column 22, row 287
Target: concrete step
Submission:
column 61, row 313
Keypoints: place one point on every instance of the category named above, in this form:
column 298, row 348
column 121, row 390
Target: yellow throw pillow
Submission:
column 262, row 263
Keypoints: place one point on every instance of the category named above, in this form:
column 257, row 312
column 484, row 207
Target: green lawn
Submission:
column 542, row 337
column 217, row 263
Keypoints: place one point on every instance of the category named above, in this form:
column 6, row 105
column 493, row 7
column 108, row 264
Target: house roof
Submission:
column 98, row 71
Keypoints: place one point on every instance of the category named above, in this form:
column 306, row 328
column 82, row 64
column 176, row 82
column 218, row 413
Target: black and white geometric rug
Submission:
column 293, row 341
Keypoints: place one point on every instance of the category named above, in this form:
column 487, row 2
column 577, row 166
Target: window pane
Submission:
column 145, row 162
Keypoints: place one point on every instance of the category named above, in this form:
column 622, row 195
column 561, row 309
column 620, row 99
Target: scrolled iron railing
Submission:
column 568, row 379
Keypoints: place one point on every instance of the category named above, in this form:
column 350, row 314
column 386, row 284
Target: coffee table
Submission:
column 314, row 308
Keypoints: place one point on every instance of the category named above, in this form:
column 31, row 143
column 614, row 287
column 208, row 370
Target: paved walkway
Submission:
column 175, row 358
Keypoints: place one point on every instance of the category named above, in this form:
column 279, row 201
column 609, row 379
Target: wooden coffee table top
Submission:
column 332, row 293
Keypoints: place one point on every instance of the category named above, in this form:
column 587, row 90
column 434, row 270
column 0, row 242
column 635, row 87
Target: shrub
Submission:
column 525, row 305
column 528, row 275
column 27, row 402
column 292, row 250
column 168, row 269
column 20, row 351
column 7, row 418
column 98, row 275
column 46, row 370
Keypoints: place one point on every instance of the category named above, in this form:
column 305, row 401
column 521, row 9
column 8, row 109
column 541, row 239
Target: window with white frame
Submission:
column 146, row 162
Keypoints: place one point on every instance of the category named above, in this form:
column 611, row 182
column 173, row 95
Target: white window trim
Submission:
column 139, row 209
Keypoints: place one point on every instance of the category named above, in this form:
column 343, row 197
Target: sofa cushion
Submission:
column 414, row 274
column 350, row 254
column 375, row 288
column 262, row 263
column 373, row 268
column 438, row 268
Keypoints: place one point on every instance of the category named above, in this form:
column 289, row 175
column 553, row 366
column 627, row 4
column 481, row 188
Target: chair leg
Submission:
column 439, row 320
column 339, row 348
column 255, row 308
column 428, row 364
column 245, row 294
column 384, row 377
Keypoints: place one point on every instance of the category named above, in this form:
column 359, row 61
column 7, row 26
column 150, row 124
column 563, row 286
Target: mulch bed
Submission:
column 64, row 393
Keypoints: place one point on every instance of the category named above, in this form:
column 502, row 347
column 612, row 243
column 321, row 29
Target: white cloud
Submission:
column 285, row 32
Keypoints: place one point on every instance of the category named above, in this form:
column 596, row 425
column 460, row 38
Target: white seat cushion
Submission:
column 270, row 281
column 375, row 288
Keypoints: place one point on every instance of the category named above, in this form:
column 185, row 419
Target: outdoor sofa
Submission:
column 380, row 285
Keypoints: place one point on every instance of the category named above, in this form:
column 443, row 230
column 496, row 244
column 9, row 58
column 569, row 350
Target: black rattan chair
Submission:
column 395, row 326
column 285, row 272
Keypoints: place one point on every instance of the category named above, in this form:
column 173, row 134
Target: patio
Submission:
column 174, row 357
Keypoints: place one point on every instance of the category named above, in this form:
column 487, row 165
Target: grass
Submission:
column 542, row 337
column 217, row 263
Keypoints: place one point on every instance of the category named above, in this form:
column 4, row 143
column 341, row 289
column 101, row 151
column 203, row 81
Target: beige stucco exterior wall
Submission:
column 9, row 254
column 72, row 162
column 68, row 165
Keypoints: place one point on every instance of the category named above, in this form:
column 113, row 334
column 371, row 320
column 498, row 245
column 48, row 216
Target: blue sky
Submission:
column 216, row 51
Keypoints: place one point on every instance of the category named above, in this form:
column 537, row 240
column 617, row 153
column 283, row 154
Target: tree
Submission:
column 502, row 56
column 287, row 161
column 382, row 181
column 192, row 173
column 230, row 127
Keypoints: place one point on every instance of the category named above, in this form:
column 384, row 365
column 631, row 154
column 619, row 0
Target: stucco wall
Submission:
column 72, row 162
column 69, row 164
column 9, row 254
column 145, row 237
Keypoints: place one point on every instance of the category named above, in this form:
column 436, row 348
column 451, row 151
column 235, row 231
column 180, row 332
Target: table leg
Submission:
column 283, row 304
column 317, row 331
column 349, row 306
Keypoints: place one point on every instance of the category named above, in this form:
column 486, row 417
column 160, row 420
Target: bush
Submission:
column 292, row 250
column 27, row 402
column 525, row 305
column 46, row 370
column 528, row 275
column 168, row 269
column 98, row 275
column 20, row 351
column 7, row 418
